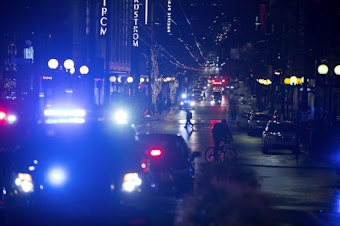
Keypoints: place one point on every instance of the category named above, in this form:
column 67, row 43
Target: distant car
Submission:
column 237, row 97
column 197, row 94
column 280, row 135
column 187, row 102
column 216, row 97
column 257, row 123
column 242, row 120
column 232, row 86
column 170, row 162
column 218, row 89
column 70, row 168
column 15, row 118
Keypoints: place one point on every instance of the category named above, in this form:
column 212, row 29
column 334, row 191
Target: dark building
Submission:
column 292, row 40
column 98, row 34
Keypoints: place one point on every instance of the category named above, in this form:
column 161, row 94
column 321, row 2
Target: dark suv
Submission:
column 257, row 122
column 92, row 169
column 216, row 97
column 242, row 120
column 280, row 135
column 169, row 161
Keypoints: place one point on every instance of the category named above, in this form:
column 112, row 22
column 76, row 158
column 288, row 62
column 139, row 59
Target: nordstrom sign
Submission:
column 135, row 34
column 103, row 19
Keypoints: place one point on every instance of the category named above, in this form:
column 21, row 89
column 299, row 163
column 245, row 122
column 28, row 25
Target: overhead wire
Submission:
column 186, row 46
column 192, row 30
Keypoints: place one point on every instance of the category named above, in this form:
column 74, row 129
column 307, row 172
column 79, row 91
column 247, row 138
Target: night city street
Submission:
column 170, row 113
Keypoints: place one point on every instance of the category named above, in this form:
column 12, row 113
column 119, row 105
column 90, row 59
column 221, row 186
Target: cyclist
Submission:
column 220, row 132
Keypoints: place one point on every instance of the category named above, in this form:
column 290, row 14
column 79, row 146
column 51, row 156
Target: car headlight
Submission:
column 56, row 176
column 24, row 182
column 11, row 119
column 121, row 117
column 131, row 182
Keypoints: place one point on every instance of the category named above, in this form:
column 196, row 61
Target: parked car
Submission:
column 169, row 161
column 280, row 135
column 232, row 86
column 257, row 123
column 237, row 97
column 242, row 120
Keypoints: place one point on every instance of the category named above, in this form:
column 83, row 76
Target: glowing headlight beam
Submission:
column 131, row 182
column 57, row 176
column 24, row 182
column 121, row 117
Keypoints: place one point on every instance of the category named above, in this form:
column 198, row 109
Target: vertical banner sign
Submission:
column 262, row 15
column 168, row 17
column 103, row 19
column 135, row 34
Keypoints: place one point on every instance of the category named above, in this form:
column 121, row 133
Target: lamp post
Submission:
column 293, row 81
column 264, row 94
column 60, row 81
column 330, row 80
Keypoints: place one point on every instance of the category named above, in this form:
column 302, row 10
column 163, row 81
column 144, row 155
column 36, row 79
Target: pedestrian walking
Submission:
column 189, row 117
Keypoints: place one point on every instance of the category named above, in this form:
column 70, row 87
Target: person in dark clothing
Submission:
column 220, row 132
column 189, row 117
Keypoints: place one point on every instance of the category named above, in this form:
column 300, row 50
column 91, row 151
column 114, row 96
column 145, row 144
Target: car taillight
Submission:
column 155, row 152
column 2, row 115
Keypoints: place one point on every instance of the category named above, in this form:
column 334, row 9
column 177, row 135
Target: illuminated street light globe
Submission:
column 286, row 81
column 129, row 79
column 68, row 64
column 53, row 64
column 337, row 70
column 113, row 78
column 322, row 69
column 72, row 70
column 293, row 80
column 84, row 70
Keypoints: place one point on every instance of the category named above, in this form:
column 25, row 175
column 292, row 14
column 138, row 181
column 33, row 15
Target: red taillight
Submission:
column 2, row 115
column 155, row 152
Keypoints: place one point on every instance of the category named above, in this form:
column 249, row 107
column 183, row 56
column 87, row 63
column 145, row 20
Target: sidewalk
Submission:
column 309, row 158
column 158, row 116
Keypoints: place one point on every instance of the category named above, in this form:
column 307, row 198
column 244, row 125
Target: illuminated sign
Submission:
column 135, row 34
column 168, row 20
column 103, row 19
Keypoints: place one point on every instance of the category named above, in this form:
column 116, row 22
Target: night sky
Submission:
column 194, row 24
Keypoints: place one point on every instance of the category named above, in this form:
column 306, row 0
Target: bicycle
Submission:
column 225, row 153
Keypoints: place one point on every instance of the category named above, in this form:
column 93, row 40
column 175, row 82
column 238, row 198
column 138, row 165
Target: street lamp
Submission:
column 294, row 81
column 330, row 81
column 68, row 68
column 120, row 83
column 262, row 92
column 68, row 65
column 53, row 63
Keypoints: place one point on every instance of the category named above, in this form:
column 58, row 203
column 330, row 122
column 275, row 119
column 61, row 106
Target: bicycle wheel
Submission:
column 209, row 154
column 230, row 154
